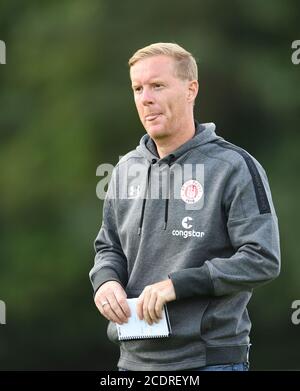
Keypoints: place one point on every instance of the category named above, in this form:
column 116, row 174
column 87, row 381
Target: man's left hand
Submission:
column 151, row 301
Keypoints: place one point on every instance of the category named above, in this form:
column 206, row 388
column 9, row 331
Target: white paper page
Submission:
column 136, row 328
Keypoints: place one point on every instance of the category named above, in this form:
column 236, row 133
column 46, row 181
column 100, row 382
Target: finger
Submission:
column 98, row 301
column 109, row 314
column 122, row 308
column 151, row 308
column 139, row 306
column 114, row 310
column 146, row 314
column 101, row 308
column 122, row 300
column 159, row 307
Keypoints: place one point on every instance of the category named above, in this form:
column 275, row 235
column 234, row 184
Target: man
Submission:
column 201, row 246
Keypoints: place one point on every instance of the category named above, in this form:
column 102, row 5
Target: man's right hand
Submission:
column 116, row 309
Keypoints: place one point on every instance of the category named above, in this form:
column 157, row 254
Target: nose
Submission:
column 147, row 97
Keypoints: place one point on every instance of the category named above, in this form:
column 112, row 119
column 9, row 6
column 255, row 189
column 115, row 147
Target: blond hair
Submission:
column 186, row 66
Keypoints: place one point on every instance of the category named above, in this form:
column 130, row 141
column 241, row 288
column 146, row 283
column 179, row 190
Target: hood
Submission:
column 205, row 133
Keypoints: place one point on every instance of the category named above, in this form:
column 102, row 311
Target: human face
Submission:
column 163, row 101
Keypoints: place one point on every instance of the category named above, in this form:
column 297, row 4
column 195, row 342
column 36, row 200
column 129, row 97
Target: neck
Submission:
column 169, row 144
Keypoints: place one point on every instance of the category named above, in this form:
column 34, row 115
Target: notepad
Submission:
column 140, row 329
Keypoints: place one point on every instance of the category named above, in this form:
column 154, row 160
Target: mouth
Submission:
column 152, row 117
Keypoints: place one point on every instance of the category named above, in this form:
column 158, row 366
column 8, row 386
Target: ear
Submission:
column 193, row 88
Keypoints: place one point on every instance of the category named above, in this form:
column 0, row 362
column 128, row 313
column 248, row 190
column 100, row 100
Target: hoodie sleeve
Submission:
column 110, row 261
column 253, row 231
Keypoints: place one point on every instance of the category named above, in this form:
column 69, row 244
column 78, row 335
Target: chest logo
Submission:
column 185, row 222
column 191, row 191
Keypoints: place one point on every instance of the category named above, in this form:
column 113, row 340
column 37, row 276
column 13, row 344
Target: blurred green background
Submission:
column 66, row 107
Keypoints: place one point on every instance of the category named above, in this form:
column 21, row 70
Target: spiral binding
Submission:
column 143, row 337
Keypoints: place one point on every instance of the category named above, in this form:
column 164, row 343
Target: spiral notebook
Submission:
column 140, row 329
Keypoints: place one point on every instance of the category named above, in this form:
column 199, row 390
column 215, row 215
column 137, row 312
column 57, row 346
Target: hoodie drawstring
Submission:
column 166, row 212
column 171, row 157
column 145, row 196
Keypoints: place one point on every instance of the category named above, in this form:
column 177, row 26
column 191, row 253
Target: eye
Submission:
column 137, row 89
column 157, row 86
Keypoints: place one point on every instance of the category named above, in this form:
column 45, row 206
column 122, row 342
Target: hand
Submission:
column 151, row 301
column 116, row 309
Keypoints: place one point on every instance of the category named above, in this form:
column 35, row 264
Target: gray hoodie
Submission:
column 202, row 216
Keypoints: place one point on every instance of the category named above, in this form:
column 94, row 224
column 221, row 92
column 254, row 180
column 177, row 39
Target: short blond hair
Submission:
column 186, row 66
